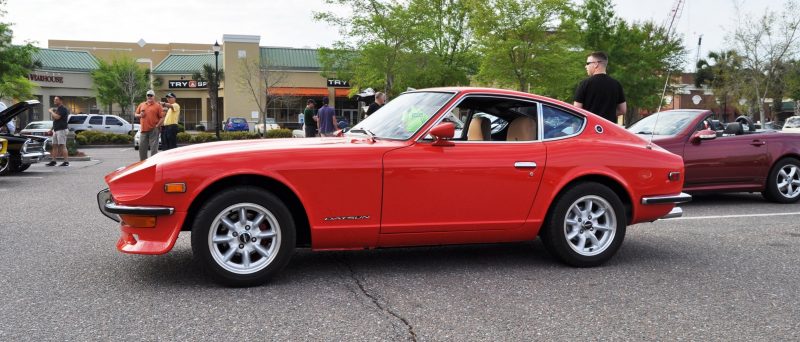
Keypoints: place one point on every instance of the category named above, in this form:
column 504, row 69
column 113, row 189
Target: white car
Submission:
column 101, row 123
column 38, row 128
column 271, row 124
column 792, row 124
column 138, row 136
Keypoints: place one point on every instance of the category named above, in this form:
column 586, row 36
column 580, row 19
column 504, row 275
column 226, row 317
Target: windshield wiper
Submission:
column 644, row 132
column 365, row 131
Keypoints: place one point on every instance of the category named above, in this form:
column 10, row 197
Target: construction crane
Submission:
column 674, row 15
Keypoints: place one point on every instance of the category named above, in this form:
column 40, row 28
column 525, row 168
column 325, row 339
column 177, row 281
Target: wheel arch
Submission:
column 292, row 201
column 611, row 183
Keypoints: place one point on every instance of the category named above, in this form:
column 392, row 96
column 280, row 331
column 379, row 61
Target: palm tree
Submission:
column 213, row 77
column 719, row 76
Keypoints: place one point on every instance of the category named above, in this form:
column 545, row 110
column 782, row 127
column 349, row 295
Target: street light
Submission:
column 215, row 113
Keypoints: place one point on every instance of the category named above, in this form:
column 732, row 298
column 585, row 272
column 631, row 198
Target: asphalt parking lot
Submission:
column 727, row 270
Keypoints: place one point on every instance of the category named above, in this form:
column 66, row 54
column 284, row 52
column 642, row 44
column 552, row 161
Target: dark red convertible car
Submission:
column 431, row 167
column 732, row 157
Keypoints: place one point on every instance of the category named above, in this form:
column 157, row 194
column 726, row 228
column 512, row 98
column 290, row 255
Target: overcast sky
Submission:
column 290, row 23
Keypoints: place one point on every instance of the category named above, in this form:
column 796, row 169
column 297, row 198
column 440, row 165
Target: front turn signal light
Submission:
column 172, row 188
column 674, row 176
column 138, row 221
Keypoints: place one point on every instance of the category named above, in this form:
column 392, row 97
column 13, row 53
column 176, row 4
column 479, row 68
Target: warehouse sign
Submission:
column 45, row 78
column 178, row 84
column 338, row 83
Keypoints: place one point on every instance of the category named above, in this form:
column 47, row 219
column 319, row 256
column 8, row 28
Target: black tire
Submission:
column 554, row 233
column 210, row 254
column 773, row 191
column 5, row 166
column 15, row 164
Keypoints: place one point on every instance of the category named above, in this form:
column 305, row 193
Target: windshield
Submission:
column 792, row 122
column 402, row 117
column 669, row 123
column 270, row 120
column 39, row 125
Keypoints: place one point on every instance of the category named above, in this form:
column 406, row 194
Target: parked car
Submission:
column 100, row 122
column 792, row 124
column 39, row 128
column 734, row 159
column 138, row 136
column 3, row 155
column 23, row 150
column 235, row 125
column 416, row 182
column 270, row 124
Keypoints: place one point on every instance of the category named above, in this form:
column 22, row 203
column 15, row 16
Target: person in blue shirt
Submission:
column 327, row 119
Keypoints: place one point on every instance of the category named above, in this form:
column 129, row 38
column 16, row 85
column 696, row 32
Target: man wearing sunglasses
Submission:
column 151, row 117
column 600, row 94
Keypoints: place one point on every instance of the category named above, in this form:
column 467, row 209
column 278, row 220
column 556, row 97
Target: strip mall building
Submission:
column 294, row 76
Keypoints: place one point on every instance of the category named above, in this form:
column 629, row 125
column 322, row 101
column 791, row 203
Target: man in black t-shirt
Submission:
column 59, row 116
column 600, row 94
column 380, row 100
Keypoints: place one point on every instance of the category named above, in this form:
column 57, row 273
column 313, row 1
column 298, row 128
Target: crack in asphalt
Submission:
column 375, row 300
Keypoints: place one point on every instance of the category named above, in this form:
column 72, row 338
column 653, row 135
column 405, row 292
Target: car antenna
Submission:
column 653, row 131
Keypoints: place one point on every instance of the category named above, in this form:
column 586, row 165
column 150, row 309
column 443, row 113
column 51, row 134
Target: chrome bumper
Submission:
column 680, row 198
column 35, row 157
column 112, row 210
column 675, row 212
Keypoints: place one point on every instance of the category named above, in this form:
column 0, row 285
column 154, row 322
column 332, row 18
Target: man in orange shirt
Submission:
column 151, row 117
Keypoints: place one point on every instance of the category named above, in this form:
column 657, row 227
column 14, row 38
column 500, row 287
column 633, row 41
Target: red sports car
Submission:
column 731, row 157
column 432, row 167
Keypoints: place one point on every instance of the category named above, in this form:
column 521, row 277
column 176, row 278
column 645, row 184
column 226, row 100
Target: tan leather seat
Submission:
column 479, row 129
column 522, row 129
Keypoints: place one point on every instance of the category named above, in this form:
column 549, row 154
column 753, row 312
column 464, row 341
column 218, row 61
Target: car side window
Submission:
column 76, row 119
column 96, row 120
column 483, row 118
column 559, row 123
column 110, row 120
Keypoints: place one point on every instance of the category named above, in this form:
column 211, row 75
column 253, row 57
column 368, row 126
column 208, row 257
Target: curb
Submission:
column 83, row 158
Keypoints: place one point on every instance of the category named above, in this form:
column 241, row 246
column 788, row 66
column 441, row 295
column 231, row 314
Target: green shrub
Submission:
column 181, row 128
column 81, row 139
column 279, row 133
column 100, row 138
column 202, row 138
column 120, row 138
column 72, row 147
column 184, row 137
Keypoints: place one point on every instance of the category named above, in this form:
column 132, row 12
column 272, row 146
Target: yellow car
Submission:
column 3, row 155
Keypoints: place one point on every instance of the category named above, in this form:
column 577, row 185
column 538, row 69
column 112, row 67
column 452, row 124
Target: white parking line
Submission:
column 733, row 216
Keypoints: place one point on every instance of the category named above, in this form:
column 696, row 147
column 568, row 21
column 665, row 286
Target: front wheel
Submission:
column 783, row 184
column 243, row 236
column 586, row 225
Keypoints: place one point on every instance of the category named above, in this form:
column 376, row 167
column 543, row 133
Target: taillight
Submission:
column 48, row 133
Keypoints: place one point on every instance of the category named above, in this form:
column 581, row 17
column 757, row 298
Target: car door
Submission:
column 95, row 123
column 472, row 185
column 114, row 125
column 740, row 159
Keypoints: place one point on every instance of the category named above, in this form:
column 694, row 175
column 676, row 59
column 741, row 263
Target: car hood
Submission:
column 16, row 109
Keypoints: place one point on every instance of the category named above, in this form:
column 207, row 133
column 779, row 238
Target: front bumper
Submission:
column 34, row 157
column 669, row 199
column 112, row 210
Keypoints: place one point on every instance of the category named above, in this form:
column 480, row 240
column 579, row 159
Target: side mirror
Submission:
column 705, row 134
column 443, row 132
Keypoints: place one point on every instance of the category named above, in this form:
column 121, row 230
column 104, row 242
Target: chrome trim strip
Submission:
column 674, row 213
column 112, row 210
column 680, row 198
column 522, row 165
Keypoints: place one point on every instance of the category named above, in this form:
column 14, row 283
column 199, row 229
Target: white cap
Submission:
column 151, row 92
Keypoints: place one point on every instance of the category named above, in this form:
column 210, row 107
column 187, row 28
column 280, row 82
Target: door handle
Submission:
column 758, row 142
column 525, row 165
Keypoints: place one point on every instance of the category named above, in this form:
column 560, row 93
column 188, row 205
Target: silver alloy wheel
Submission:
column 788, row 181
column 244, row 238
column 590, row 225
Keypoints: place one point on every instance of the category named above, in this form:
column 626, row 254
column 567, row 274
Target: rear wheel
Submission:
column 4, row 166
column 15, row 164
column 586, row 226
column 243, row 236
column 783, row 184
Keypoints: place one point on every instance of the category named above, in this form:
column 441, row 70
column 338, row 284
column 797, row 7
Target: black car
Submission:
column 23, row 150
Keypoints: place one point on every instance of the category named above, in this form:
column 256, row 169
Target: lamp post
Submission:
column 215, row 112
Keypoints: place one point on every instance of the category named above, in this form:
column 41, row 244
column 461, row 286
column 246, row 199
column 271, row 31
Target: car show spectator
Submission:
column 171, row 122
column 600, row 94
column 59, row 114
column 327, row 119
column 380, row 100
column 309, row 119
column 151, row 116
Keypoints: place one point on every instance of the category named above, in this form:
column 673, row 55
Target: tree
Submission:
column 719, row 73
column 213, row 77
column 16, row 63
column 764, row 43
column 258, row 79
column 122, row 82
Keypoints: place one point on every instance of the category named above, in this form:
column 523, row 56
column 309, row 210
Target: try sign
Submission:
column 187, row 84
